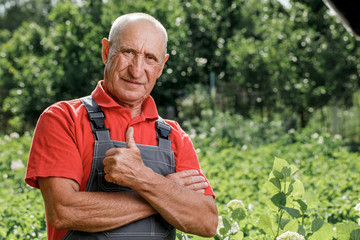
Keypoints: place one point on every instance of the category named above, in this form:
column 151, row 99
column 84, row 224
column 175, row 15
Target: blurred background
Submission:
column 247, row 79
column 290, row 60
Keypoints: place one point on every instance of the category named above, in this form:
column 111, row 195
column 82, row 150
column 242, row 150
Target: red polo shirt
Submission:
column 63, row 141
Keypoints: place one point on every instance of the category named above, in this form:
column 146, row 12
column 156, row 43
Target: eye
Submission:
column 150, row 57
column 128, row 52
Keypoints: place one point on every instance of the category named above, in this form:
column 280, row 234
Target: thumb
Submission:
column 130, row 142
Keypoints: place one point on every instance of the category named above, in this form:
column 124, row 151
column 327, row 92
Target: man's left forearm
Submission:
column 187, row 210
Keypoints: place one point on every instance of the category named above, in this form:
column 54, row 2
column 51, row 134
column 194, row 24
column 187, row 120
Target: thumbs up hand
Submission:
column 124, row 165
column 129, row 138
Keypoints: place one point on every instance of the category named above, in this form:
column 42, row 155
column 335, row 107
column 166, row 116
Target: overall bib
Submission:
column 159, row 158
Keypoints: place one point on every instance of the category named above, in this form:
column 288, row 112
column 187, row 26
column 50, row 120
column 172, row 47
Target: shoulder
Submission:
column 178, row 135
column 63, row 107
column 64, row 115
column 175, row 127
column 66, row 110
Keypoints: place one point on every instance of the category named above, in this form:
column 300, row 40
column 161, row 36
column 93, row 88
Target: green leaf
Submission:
column 279, row 199
column 276, row 183
column 344, row 229
column 222, row 231
column 301, row 230
column 270, row 188
column 294, row 169
column 238, row 235
column 238, row 214
column 326, row 232
column 286, row 171
column 237, row 209
column 183, row 236
column 279, row 164
column 298, row 190
column 355, row 235
column 221, row 226
column 289, row 189
column 227, row 224
column 179, row 236
column 278, row 174
column 303, row 205
column 293, row 212
column 317, row 224
column 265, row 224
column 217, row 237
column 270, row 205
column 292, row 226
column 283, row 223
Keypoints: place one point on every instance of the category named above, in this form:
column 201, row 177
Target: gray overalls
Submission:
column 159, row 158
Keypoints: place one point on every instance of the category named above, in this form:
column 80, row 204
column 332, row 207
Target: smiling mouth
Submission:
column 132, row 81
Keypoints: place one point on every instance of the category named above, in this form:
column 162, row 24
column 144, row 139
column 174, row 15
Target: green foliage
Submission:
column 229, row 224
column 250, row 200
column 22, row 213
column 280, row 65
column 288, row 196
column 266, row 59
column 324, row 164
column 276, row 66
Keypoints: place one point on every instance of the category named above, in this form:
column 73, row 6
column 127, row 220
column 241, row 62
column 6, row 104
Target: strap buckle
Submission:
column 97, row 118
column 163, row 129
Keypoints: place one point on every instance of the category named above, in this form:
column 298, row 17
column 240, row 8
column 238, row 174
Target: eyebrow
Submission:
column 125, row 48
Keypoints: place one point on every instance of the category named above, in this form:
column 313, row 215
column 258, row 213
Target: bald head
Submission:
column 127, row 20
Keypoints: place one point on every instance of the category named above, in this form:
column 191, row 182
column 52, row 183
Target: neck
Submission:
column 134, row 108
column 135, row 111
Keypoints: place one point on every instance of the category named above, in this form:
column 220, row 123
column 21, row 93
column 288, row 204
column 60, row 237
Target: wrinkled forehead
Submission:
column 122, row 25
column 142, row 39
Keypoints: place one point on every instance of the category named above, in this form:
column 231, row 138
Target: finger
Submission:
column 112, row 151
column 130, row 142
column 109, row 160
column 194, row 180
column 201, row 191
column 108, row 178
column 198, row 186
column 188, row 173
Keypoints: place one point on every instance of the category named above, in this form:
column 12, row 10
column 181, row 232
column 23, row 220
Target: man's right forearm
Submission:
column 90, row 211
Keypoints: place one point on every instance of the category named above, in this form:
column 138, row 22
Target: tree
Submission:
column 285, row 63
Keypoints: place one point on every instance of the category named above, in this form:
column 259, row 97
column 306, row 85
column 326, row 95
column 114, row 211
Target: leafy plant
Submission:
column 229, row 224
column 288, row 200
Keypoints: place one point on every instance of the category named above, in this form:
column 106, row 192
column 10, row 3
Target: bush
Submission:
column 22, row 213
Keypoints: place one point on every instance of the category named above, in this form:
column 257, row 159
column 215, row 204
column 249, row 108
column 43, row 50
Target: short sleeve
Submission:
column 185, row 155
column 54, row 151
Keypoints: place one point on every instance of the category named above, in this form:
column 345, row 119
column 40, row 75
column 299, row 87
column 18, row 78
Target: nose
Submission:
column 136, row 68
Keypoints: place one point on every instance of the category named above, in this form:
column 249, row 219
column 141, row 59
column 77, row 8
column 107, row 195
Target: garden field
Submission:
column 318, row 202
column 268, row 91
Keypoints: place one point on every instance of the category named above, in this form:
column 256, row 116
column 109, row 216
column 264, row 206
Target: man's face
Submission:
column 134, row 61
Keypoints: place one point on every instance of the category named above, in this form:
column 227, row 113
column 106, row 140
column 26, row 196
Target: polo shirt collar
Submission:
column 148, row 108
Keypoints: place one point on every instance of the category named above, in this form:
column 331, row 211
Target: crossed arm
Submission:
column 178, row 197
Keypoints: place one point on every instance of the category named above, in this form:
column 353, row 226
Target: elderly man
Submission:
column 107, row 165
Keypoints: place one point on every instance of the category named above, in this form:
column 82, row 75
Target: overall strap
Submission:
column 96, row 117
column 162, row 132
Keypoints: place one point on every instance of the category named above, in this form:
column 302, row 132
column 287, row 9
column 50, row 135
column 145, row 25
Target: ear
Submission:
column 105, row 50
column 163, row 65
